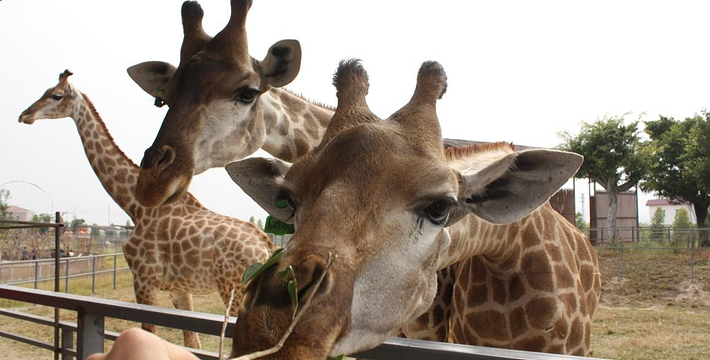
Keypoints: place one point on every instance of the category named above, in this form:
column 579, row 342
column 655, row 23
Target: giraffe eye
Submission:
column 57, row 97
column 438, row 211
column 246, row 95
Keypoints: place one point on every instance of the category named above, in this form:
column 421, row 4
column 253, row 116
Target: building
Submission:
column 20, row 214
column 670, row 210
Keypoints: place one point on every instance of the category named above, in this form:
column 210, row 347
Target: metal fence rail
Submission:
column 90, row 332
column 43, row 270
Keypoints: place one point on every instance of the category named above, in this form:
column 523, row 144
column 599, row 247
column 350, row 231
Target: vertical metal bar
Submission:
column 67, row 343
column 90, row 334
column 115, row 258
column 66, row 277
column 618, row 264
column 57, row 242
column 93, row 274
column 692, row 262
column 36, row 272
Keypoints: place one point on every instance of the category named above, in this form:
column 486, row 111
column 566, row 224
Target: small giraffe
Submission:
column 182, row 247
column 223, row 105
column 523, row 276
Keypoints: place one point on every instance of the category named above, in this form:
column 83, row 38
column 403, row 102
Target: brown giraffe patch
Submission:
column 570, row 301
column 538, row 272
column 554, row 251
column 498, row 290
column 563, row 276
column 575, row 334
column 516, row 288
column 488, row 324
column 310, row 126
column 477, row 295
column 539, row 311
column 529, row 236
column 518, row 322
column 536, row 343
column 302, row 145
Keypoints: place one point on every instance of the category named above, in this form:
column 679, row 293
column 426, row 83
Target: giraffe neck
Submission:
column 116, row 172
column 499, row 243
column 294, row 126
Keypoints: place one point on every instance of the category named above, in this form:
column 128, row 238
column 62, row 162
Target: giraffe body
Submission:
column 182, row 247
column 536, row 287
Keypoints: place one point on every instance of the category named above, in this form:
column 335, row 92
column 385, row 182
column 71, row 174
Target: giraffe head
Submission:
column 381, row 195
column 55, row 103
column 214, row 115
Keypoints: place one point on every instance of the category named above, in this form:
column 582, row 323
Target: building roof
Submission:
column 13, row 208
column 664, row 202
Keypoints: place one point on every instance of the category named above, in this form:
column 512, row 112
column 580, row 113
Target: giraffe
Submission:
column 223, row 105
column 393, row 207
column 182, row 247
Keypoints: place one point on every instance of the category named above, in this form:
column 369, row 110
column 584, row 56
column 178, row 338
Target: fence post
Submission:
column 618, row 263
column 692, row 267
column 67, row 343
column 66, row 277
column 115, row 258
column 36, row 272
column 93, row 274
column 669, row 235
column 90, row 334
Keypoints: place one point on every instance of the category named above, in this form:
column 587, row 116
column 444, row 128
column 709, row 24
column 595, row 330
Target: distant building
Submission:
column 20, row 214
column 670, row 209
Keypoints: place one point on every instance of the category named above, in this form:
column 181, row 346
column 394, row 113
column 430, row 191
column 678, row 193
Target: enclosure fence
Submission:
column 87, row 336
column 37, row 271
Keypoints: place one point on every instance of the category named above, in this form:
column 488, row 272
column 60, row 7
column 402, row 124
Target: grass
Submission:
column 653, row 312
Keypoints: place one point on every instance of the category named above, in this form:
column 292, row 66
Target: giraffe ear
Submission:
column 262, row 179
column 505, row 189
column 282, row 63
column 152, row 76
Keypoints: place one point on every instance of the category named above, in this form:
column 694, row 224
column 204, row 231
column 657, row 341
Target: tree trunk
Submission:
column 701, row 214
column 613, row 208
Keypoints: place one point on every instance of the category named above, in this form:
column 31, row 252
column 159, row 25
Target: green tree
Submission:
column 611, row 157
column 579, row 219
column 260, row 224
column 4, row 204
column 76, row 223
column 679, row 166
column 42, row 218
column 681, row 227
column 657, row 224
column 252, row 220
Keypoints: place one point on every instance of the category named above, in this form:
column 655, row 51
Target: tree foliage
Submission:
column 4, row 205
column 612, row 157
column 679, row 166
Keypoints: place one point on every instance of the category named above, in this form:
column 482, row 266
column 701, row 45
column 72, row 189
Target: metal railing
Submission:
column 90, row 332
column 37, row 271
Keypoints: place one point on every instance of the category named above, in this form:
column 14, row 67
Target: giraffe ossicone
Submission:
column 181, row 247
column 395, row 207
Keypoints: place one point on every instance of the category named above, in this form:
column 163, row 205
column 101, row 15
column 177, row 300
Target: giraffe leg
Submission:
column 145, row 294
column 224, row 293
column 434, row 323
column 183, row 300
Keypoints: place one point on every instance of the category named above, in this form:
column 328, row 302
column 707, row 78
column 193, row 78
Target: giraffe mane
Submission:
column 108, row 134
column 453, row 153
column 316, row 103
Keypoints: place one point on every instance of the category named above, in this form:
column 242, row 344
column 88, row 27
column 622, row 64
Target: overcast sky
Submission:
column 519, row 71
